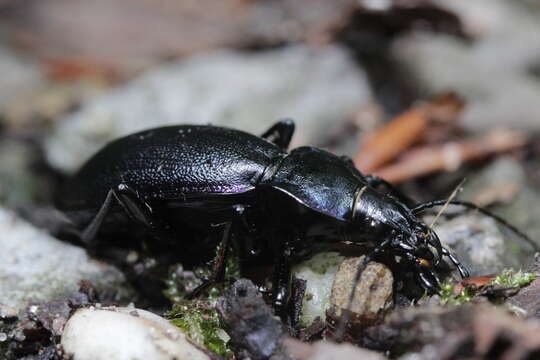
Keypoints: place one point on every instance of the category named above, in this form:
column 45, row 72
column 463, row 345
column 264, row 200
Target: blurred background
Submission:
column 423, row 93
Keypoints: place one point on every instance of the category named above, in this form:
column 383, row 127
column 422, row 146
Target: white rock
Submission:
column 318, row 87
column 35, row 267
column 319, row 272
column 125, row 333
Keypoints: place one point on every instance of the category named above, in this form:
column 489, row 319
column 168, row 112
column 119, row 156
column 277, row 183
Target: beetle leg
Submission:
column 89, row 233
column 426, row 278
column 218, row 271
column 133, row 205
column 429, row 281
column 462, row 269
column 434, row 241
column 280, row 133
column 282, row 281
column 375, row 182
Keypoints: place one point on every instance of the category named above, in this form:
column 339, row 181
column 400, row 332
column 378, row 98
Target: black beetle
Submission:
column 229, row 186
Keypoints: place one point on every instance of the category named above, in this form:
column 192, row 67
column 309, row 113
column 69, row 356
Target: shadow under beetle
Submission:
column 195, row 189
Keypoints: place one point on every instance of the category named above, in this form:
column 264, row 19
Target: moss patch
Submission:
column 511, row 278
column 200, row 322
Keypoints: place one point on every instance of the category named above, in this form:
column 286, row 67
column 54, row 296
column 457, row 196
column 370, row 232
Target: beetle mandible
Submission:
column 277, row 207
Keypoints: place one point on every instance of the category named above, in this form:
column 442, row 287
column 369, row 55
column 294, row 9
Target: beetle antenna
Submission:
column 450, row 198
column 421, row 207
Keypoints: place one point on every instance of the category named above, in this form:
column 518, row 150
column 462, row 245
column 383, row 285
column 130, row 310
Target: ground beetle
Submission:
column 202, row 188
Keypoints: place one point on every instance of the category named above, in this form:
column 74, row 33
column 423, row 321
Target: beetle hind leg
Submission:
column 280, row 133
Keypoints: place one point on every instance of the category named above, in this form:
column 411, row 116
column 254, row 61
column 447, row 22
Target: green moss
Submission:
column 448, row 298
column 200, row 322
column 180, row 283
column 510, row 278
column 507, row 278
column 198, row 318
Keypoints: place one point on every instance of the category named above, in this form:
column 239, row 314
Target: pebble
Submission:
column 372, row 295
column 114, row 333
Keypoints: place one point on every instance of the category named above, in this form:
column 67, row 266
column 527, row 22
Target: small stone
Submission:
column 112, row 333
column 255, row 332
column 373, row 292
column 372, row 295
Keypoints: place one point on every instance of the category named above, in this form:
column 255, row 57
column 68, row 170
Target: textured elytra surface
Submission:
column 171, row 163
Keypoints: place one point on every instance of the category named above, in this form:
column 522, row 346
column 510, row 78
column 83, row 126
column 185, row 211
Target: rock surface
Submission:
column 501, row 87
column 255, row 332
column 478, row 243
column 124, row 334
column 318, row 87
column 481, row 243
column 319, row 272
column 372, row 294
column 35, row 267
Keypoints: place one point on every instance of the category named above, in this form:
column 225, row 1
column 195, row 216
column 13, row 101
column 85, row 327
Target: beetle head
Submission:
column 392, row 228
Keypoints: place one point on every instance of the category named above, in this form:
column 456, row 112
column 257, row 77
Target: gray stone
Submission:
column 318, row 87
column 481, row 243
column 478, row 243
column 35, row 267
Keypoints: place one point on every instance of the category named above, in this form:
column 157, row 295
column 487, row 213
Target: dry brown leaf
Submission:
column 450, row 156
column 388, row 142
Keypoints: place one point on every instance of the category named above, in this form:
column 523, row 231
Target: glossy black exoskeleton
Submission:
column 194, row 189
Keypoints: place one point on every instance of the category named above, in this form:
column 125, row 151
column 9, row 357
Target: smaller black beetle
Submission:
column 200, row 188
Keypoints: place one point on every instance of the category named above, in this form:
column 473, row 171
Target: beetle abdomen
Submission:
column 170, row 163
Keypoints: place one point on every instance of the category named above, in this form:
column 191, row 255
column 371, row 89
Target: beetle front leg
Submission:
column 280, row 133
